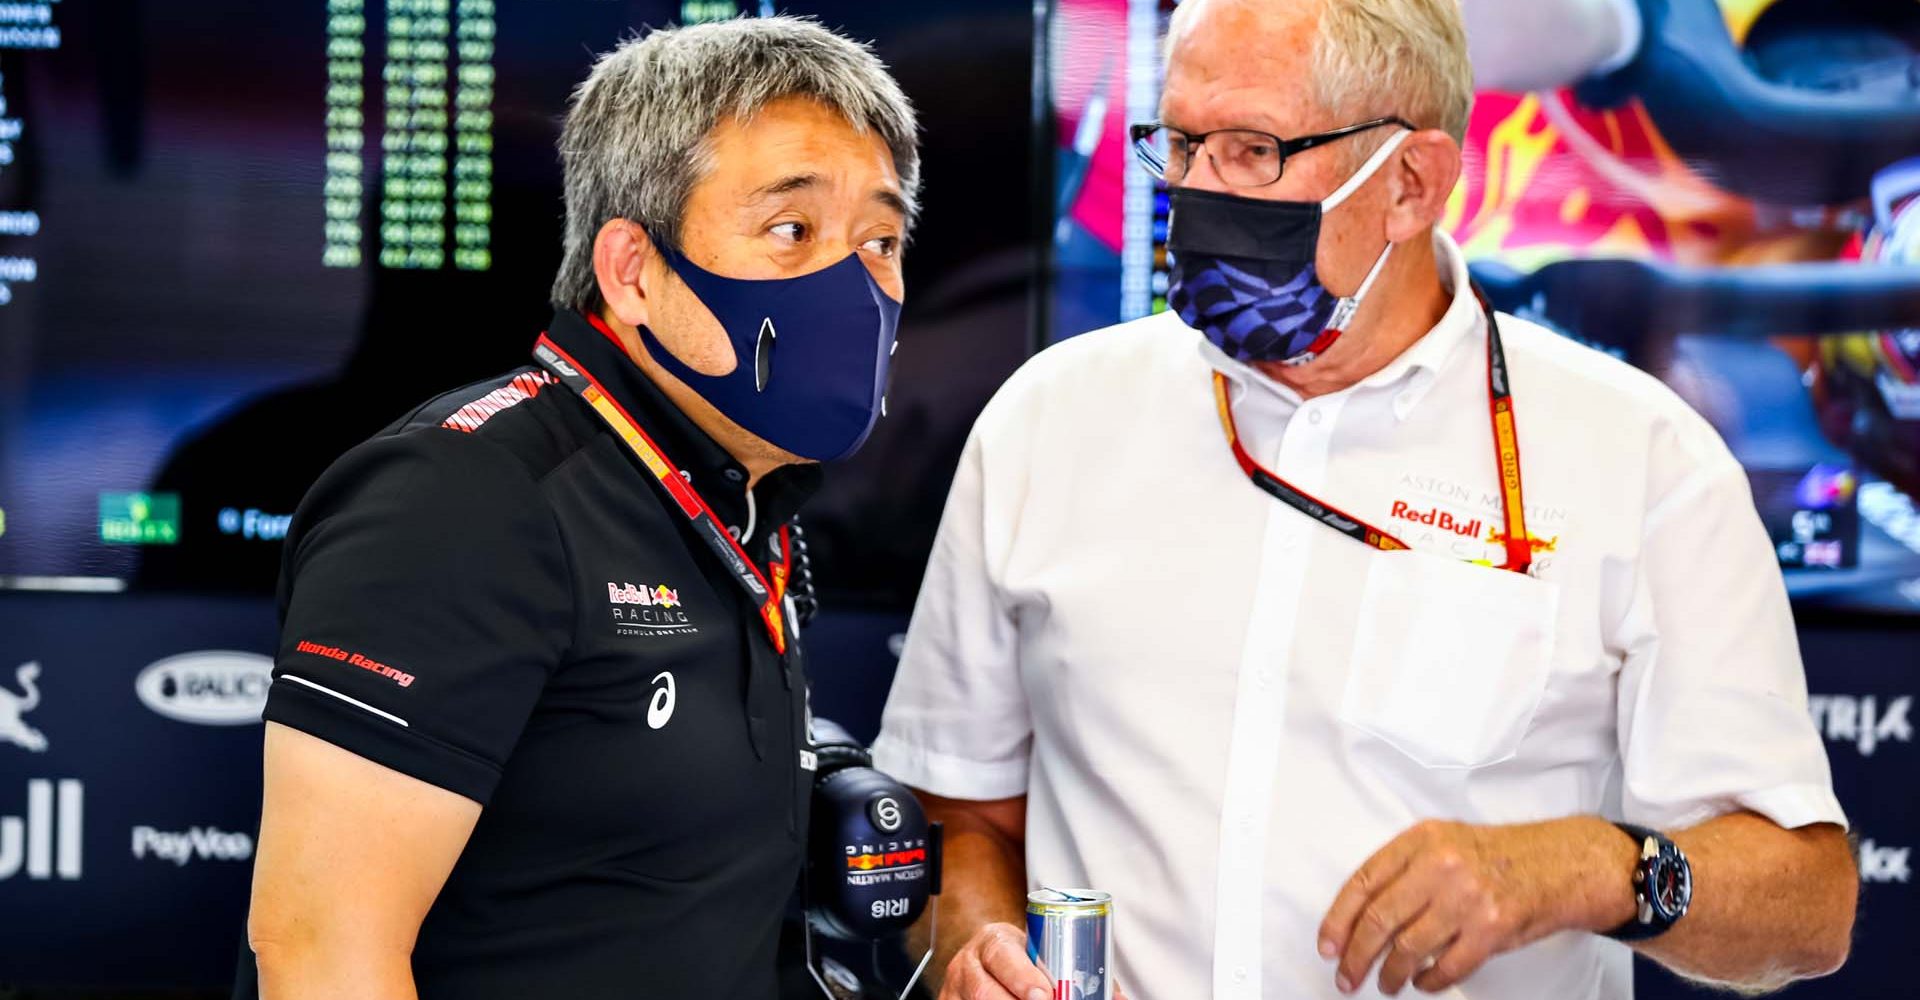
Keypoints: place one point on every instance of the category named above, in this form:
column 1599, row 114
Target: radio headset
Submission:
column 873, row 859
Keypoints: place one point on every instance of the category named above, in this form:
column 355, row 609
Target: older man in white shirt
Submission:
column 1172, row 643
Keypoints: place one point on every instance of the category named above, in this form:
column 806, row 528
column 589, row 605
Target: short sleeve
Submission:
column 957, row 722
column 425, row 604
column 1712, row 709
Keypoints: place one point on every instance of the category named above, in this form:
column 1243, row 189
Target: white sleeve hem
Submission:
column 949, row 776
column 1795, row 806
column 1788, row 806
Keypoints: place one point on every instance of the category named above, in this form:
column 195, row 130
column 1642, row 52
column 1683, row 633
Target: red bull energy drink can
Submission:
column 1070, row 937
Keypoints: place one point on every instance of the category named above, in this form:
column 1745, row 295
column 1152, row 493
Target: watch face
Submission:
column 1672, row 887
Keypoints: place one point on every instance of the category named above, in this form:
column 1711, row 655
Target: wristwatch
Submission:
column 1662, row 886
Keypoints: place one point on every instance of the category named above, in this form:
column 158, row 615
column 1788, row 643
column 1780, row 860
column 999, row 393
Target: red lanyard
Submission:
column 1506, row 445
column 705, row 524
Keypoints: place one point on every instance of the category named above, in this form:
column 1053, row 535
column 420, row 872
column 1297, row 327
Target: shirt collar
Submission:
column 711, row 469
column 1419, row 365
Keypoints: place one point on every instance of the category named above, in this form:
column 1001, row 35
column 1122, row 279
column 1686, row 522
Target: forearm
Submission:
column 985, row 882
column 1769, row 905
column 313, row 971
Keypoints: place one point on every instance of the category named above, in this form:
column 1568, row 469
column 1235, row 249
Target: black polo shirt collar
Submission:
column 718, row 478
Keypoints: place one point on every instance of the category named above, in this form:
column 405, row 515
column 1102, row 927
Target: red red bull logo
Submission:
column 1436, row 518
column 658, row 597
column 889, row 859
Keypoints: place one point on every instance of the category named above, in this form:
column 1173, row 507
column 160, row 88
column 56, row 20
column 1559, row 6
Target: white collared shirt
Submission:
column 1218, row 707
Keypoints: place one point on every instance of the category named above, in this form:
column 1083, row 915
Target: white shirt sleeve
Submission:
column 1712, row 710
column 956, row 723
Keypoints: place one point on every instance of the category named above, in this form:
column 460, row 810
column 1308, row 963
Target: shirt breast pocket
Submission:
column 1451, row 659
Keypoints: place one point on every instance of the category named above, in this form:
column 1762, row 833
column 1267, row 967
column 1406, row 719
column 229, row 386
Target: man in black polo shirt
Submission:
column 538, row 722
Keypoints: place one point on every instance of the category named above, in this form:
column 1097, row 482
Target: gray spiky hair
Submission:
column 636, row 139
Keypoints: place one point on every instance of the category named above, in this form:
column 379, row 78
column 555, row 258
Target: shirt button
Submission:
column 1266, row 678
column 1313, row 417
column 1240, row 974
column 734, row 476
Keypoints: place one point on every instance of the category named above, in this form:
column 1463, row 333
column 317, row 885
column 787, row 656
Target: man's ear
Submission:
column 1421, row 178
column 621, row 251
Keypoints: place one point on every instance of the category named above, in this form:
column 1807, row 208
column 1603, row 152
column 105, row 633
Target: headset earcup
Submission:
column 870, row 859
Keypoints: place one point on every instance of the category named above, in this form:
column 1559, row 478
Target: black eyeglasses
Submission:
column 1243, row 157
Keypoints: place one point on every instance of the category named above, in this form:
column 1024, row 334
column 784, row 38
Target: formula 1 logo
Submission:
column 14, row 707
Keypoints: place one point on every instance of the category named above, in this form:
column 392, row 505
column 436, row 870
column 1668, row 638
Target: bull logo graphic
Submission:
column 13, row 708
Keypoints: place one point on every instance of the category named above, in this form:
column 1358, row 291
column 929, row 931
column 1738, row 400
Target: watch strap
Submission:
column 1653, row 849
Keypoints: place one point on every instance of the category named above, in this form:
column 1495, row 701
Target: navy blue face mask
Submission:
column 811, row 354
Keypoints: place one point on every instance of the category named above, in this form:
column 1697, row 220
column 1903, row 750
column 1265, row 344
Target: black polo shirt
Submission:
column 492, row 596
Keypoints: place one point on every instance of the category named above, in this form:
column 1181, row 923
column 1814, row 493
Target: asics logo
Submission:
column 660, row 706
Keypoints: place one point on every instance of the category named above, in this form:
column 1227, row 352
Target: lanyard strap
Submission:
column 769, row 596
column 1506, row 445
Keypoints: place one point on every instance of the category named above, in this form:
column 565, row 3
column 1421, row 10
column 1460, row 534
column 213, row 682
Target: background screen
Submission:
column 237, row 238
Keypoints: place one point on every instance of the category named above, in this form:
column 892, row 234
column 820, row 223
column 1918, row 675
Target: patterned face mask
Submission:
column 1244, row 273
